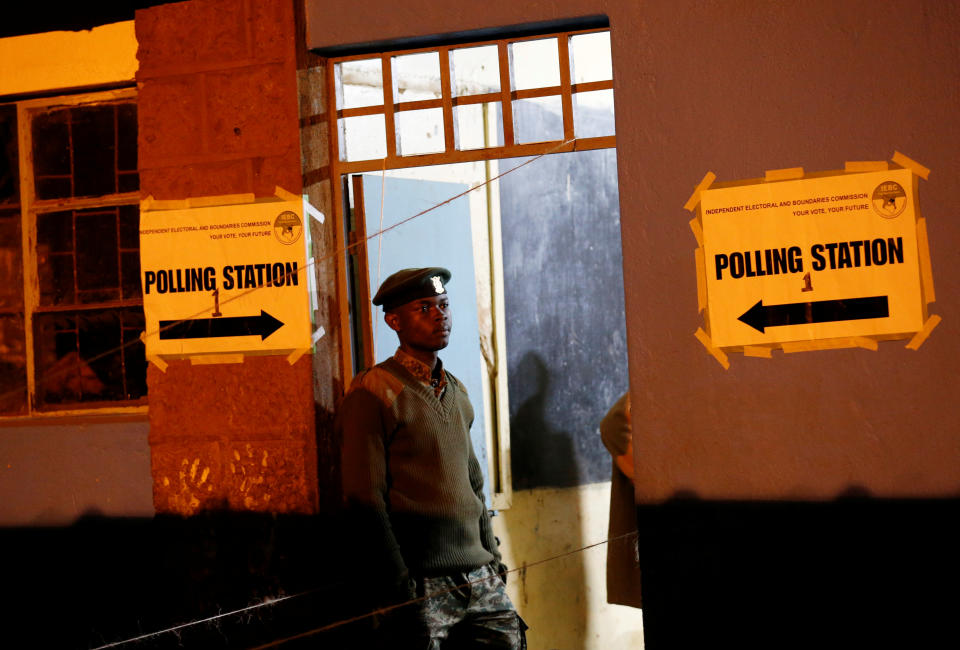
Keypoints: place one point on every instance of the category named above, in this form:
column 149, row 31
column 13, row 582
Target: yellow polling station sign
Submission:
column 826, row 258
column 220, row 279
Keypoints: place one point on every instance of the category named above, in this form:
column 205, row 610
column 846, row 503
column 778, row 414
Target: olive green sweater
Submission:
column 409, row 465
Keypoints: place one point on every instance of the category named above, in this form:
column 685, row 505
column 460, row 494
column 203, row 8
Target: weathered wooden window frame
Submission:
column 30, row 207
column 354, row 242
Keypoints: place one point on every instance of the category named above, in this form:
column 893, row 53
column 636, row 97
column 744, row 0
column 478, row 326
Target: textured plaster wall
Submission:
column 738, row 88
column 559, row 592
column 218, row 114
column 55, row 472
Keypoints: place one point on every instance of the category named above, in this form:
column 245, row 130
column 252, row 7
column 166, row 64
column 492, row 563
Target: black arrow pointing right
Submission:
column 204, row 328
column 760, row 316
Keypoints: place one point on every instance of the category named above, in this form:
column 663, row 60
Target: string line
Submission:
column 70, row 368
column 269, row 602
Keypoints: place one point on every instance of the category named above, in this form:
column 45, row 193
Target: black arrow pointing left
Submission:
column 761, row 316
column 206, row 328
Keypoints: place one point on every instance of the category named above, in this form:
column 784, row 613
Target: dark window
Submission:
column 80, row 310
column 85, row 151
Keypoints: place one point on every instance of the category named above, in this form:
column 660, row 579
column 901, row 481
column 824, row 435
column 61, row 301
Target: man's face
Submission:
column 423, row 324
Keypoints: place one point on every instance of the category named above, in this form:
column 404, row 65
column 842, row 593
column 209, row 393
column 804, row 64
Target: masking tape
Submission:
column 854, row 166
column 783, row 174
column 158, row 362
column 926, row 269
column 296, row 354
column 717, row 353
column 701, row 280
column 224, row 199
column 866, row 343
column 317, row 335
column 284, row 194
column 151, row 203
column 757, row 351
column 155, row 360
column 697, row 230
column 912, row 165
column 830, row 344
column 694, row 199
column 312, row 211
column 924, row 333
column 209, row 359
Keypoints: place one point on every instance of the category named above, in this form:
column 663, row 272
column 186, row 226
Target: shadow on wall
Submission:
column 542, row 455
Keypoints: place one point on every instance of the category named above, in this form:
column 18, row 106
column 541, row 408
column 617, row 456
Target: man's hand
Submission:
column 501, row 570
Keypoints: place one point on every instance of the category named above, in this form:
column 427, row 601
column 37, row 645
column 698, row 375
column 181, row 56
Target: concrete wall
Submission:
column 218, row 115
column 559, row 590
column 55, row 472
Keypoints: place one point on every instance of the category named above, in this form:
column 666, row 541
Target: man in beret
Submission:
column 414, row 486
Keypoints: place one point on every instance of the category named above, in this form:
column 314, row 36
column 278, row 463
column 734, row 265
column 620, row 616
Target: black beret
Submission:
column 409, row 284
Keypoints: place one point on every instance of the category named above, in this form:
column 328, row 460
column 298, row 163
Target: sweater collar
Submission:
column 437, row 379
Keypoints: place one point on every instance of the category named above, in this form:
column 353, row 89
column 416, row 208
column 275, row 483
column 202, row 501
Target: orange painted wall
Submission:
column 738, row 88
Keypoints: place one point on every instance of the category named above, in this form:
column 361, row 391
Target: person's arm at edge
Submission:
column 616, row 431
column 364, row 427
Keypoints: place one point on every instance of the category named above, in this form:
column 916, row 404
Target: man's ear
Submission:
column 393, row 320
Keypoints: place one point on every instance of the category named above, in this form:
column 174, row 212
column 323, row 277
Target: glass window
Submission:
column 475, row 70
column 416, row 77
column 535, row 64
column 359, row 83
column 590, row 58
column 70, row 333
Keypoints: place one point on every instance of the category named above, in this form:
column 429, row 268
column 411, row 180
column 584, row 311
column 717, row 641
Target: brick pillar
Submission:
column 218, row 109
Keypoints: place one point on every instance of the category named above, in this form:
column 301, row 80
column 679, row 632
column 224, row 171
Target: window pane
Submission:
column 538, row 119
column 78, row 255
column 593, row 114
column 11, row 269
column 476, row 70
column 362, row 138
column 55, row 232
column 129, row 216
column 55, row 258
column 420, row 131
column 76, row 151
column 590, row 57
column 129, row 246
column 359, row 83
column 94, row 150
column 51, row 144
column 128, row 182
column 416, row 77
column 478, row 126
column 127, row 134
column 130, row 275
column 97, row 263
column 13, row 365
column 89, row 356
column 9, row 165
column 57, row 282
column 535, row 64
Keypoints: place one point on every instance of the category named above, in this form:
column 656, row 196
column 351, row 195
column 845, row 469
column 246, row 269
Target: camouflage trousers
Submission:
column 464, row 610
